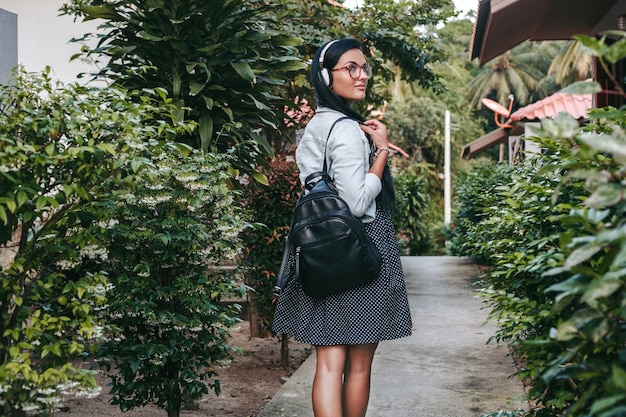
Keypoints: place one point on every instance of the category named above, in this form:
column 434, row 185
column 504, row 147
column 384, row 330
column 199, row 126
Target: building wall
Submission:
column 43, row 38
column 8, row 43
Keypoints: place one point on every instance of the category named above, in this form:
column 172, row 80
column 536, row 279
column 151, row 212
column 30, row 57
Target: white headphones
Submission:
column 324, row 74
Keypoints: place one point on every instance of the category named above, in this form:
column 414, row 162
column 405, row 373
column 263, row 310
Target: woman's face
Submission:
column 351, row 89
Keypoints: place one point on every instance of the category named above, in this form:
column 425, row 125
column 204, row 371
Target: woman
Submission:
column 345, row 328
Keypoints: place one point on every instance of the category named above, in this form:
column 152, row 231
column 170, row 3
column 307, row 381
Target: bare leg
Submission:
column 356, row 386
column 327, row 384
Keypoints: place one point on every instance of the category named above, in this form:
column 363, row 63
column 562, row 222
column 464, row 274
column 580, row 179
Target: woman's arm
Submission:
column 349, row 155
column 378, row 133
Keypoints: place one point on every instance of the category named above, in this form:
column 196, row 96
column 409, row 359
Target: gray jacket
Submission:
column 347, row 157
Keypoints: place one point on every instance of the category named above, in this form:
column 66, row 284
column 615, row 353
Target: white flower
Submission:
column 31, row 407
column 153, row 201
column 94, row 252
column 46, row 391
column 186, row 177
column 66, row 265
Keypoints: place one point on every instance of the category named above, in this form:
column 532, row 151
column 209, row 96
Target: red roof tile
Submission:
column 576, row 106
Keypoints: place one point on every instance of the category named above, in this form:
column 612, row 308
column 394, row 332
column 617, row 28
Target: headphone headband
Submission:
column 323, row 53
column 324, row 73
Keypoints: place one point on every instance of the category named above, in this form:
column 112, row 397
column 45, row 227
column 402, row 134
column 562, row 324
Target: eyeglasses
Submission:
column 355, row 71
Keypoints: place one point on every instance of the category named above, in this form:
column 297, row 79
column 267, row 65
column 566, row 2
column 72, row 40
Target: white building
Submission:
column 43, row 38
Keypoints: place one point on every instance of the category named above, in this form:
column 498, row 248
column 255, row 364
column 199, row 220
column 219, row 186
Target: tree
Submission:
column 517, row 72
column 572, row 64
column 388, row 29
column 216, row 58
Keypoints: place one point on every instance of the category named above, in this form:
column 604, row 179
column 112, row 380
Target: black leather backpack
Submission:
column 332, row 251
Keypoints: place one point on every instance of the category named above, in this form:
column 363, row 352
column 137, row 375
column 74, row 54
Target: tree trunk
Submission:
column 253, row 318
column 284, row 350
column 174, row 400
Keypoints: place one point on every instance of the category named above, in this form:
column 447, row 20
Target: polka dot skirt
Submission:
column 367, row 314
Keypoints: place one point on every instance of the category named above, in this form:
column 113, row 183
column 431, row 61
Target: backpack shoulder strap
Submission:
column 325, row 167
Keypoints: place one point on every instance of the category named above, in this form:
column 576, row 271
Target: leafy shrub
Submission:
column 588, row 376
column 411, row 216
column 475, row 195
column 220, row 62
column 58, row 144
column 166, row 238
column 272, row 209
column 557, row 228
column 118, row 235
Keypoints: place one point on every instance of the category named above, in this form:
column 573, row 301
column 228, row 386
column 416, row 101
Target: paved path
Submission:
column 445, row 369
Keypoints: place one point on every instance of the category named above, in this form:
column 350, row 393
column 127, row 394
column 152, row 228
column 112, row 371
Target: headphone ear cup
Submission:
column 325, row 76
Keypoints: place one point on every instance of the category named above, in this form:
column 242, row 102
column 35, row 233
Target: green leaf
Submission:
column 195, row 87
column 619, row 378
column 614, row 412
column 21, row 197
column 613, row 143
column 148, row 36
column 244, row 71
column 260, row 178
column 582, row 87
column 288, row 40
column 616, row 51
column 606, row 195
column 208, row 101
column 40, row 202
column 582, row 254
column 205, row 130
column 601, row 288
column 9, row 203
column 99, row 12
column 573, row 285
column 593, row 46
column 50, row 148
column 566, row 331
column 106, row 147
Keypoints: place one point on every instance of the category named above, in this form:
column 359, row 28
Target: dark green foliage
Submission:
column 272, row 209
column 58, row 146
column 167, row 238
column 217, row 58
column 558, row 285
column 475, row 196
column 411, row 216
column 555, row 233
column 119, row 236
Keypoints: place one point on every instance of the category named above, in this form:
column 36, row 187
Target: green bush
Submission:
column 272, row 209
column 221, row 62
column 411, row 216
column 475, row 195
column 167, row 237
column 58, row 144
column 120, row 238
column 588, row 375
column 557, row 228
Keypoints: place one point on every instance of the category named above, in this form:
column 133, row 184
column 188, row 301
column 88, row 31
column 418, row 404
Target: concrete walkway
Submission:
column 445, row 369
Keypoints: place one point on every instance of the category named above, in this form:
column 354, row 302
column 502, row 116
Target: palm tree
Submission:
column 517, row 72
column 571, row 64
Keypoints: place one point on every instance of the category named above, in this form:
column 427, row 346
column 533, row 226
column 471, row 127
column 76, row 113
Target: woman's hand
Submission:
column 377, row 131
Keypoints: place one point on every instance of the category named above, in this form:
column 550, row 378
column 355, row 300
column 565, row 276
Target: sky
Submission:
column 466, row 5
column 463, row 5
